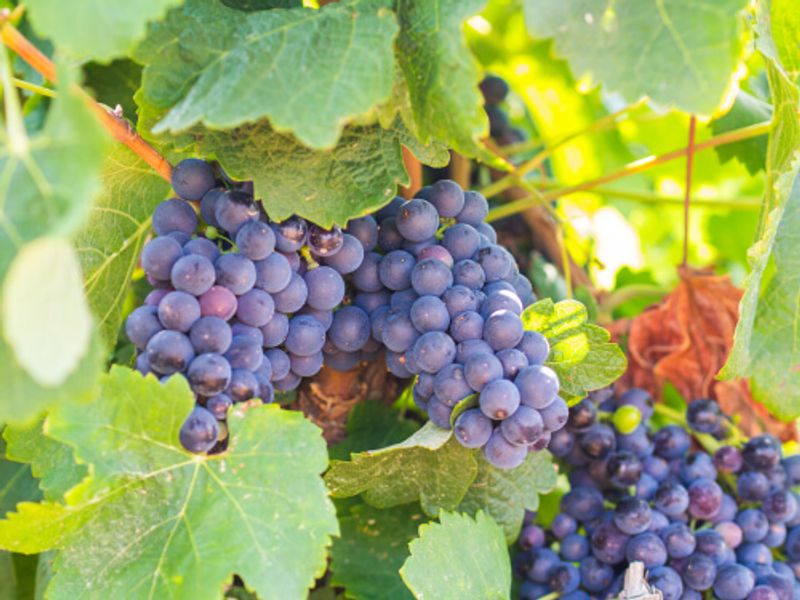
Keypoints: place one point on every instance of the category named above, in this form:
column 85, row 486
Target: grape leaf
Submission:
column 441, row 74
column 110, row 244
column 681, row 53
column 355, row 178
column 746, row 110
column 505, row 494
column 48, row 338
column 51, row 178
column 372, row 425
column 250, row 5
column 430, row 466
column 51, row 462
column 114, row 26
column 444, row 567
column 154, row 521
column 366, row 559
column 764, row 346
column 785, row 25
column 308, row 71
column 115, row 84
column 580, row 352
column 17, row 483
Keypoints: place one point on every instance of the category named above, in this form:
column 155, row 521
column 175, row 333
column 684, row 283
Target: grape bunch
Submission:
column 241, row 305
column 724, row 525
column 445, row 301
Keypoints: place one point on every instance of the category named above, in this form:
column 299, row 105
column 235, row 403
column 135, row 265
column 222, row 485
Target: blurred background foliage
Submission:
column 628, row 232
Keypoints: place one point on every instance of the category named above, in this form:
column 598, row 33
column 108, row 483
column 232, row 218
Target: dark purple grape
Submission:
column 499, row 399
column 256, row 240
column 218, row 406
column 174, row 215
column 762, row 452
column 169, row 352
column 158, row 257
column 233, row 209
column 667, row 581
column 350, row 329
column 290, row 235
column 280, row 363
column 447, row 196
column 609, row 544
column 524, row 425
column 192, row 178
column 389, row 237
column 273, row 273
column 306, row 366
column 475, row 209
column 244, row 353
column 502, row 454
column 459, row 299
column 472, row 429
column 365, row 230
column 430, row 277
column 390, row 209
column 481, row 369
column 293, row 296
column 503, row 329
column 671, row 442
column 461, row 240
column 209, row 374
column 534, row 346
column 703, row 415
column 417, row 220
column 325, row 288
column 178, row 311
column 538, row 386
column 243, row 386
column 467, row 325
column 705, row 498
column 141, row 325
column 433, row 351
column 325, row 242
column 733, row 582
column 348, row 258
column 494, row 89
column 679, row 540
column 306, row 335
column 200, row 431
column 632, row 516
column 235, row 272
column 648, row 548
column 208, row 205
column 699, row 572
column 624, row 469
column 211, row 334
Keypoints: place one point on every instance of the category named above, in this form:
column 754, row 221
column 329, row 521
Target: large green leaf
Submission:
column 49, row 337
column 50, row 180
column 580, row 352
column 440, row 73
column 50, row 461
column 308, row 71
column 459, row 558
column 152, row 521
column 366, row 560
column 764, row 346
column 746, row 110
column 430, row 466
column 95, row 29
column 372, row 425
column 17, row 483
column 326, row 186
column 678, row 52
column 110, row 244
column 785, row 20
column 505, row 494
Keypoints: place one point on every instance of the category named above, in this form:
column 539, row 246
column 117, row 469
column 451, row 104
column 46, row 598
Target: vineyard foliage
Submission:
column 322, row 108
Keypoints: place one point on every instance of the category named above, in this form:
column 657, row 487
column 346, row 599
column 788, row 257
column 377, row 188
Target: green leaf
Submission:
column 785, row 21
column 505, row 494
column 764, row 347
column 366, row 559
column 95, row 29
column 355, row 178
column 308, row 71
column 17, row 483
column 50, row 180
column 250, row 5
column 115, row 84
column 580, row 352
column 51, row 462
column 154, row 521
column 441, row 74
column 372, row 425
column 110, row 244
column 680, row 53
column 459, row 558
column 48, row 338
column 746, row 110
column 430, row 466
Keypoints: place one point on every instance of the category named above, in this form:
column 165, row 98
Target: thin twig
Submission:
column 688, row 190
column 117, row 126
column 32, row 87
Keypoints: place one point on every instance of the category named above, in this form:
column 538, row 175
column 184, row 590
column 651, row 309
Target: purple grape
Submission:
column 439, row 413
column 475, row 209
column 158, row 257
column 430, row 277
column 280, row 363
column 429, row 313
column 480, row 369
column 243, row 386
column 499, row 399
column 325, row 288
column 417, row 220
column 395, row 270
column 447, row 196
column 534, row 346
column 467, row 325
column 174, row 215
column 199, row 432
column 218, row 406
column 325, row 242
column 192, row 178
column 398, row 333
column 255, row 308
column 348, row 258
column 523, row 427
column 209, row 374
column 292, row 297
column 169, row 352
column 459, row 299
column 472, row 429
column 256, row 240
column 218, row 301
column 208, row 205
column 244, row 353
column 503, row 329
column 141, row 325
column 306, row 336
column 233, row 209
column 501, row 454
column 211, row 334
column 178, row 311
column 365, row 230
column 236, row 272
column 273, row 273
column 538, row 386
column 461, row 240
column 290, row 235
column 306, row 366
column 350, row 329
column 433, row 351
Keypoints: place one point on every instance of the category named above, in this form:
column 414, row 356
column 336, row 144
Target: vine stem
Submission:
column 687, row 193
column 115, row 125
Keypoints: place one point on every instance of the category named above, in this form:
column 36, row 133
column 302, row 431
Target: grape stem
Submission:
column 687, row 198
column 118, row 127
column 633, row 168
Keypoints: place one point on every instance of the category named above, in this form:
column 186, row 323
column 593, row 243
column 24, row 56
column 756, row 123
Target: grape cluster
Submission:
column 724, row 525
column 244, row 308
column 445, row 301
column 494, row 90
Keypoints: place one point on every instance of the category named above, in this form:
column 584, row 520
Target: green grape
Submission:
column 626, row 419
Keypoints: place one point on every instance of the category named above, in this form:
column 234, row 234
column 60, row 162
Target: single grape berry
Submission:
column 200, row 431
column 192, row 178
column 325, row 242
